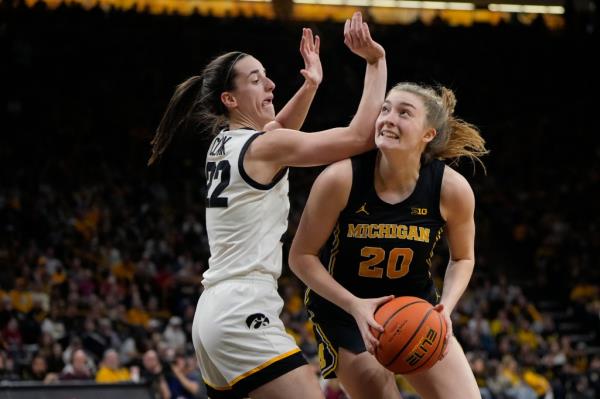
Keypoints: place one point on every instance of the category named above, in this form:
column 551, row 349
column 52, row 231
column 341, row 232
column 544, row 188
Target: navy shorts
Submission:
column 334, row 329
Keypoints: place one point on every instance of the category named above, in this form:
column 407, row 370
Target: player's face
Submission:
column 253, row 91
column 402, row 123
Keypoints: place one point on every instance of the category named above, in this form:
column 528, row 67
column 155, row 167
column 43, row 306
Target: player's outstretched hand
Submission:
column 309, row 48
column 358, row 39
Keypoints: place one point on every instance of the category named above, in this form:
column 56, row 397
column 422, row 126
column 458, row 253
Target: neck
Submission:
column 239, row 121
column 397, row 174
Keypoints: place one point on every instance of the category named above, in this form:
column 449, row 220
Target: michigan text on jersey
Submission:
column 382, row 230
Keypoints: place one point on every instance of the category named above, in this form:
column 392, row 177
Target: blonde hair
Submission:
column 455, row 138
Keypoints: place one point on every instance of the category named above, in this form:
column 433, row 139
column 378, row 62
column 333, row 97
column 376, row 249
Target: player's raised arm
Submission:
column 282, row 147
column 293, row 114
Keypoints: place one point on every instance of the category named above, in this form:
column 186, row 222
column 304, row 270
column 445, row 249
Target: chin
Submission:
column 382, row 142
column 269, row 115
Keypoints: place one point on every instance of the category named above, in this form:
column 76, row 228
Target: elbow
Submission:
column 361, row 136
column 366, row 140
column 293, row 259
column 296, row 261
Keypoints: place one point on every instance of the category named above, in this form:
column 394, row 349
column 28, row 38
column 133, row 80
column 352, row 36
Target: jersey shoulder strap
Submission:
column 363, row 169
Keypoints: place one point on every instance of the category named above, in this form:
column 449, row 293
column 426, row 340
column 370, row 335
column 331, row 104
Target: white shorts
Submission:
column 240, row 341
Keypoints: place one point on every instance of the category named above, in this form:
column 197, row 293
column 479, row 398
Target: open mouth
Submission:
column 267, row 102
column 389, row 134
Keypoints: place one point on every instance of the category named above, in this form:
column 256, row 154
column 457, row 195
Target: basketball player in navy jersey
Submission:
column 378, row 217
column 240, row 341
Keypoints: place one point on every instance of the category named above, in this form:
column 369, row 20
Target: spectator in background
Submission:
column 183, row 382
column 21, row 297
column 74, row 344
column 110, row 336
column 53, row 324
column 38, row 371
column 55, row 359
column 7, row 367
column 508, row 381
column 110, row 369
column 154, row 373
column 92, row 340
column 7, row 310
column 174, row 335
column 78, row 368
column 11, row 335
column 193, row 372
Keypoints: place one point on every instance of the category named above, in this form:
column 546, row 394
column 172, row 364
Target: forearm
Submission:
column 310, row 270
column 165, row 392
column 370, row 103
column 189, row 385
column 456, row 280
column 293, row 114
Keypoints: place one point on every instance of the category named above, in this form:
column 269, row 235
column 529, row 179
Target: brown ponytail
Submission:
column 176, row 116
column 196, row 103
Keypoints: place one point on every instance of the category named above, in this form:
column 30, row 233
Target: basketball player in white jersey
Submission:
column 240, row 341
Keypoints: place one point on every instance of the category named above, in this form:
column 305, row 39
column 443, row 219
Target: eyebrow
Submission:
column 256, row 71
column 408, row 105
column 404, row 103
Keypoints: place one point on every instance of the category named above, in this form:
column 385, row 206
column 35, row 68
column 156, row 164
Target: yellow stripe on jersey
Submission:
column 437, row 238
column 262, row 366
column 326, row 369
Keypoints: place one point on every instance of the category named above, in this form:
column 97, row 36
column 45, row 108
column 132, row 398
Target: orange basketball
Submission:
column 413, row 336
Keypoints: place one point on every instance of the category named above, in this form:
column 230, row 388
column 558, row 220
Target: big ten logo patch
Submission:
column 418, row 211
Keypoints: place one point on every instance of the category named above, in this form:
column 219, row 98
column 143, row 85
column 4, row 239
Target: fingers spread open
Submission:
column 309, row 39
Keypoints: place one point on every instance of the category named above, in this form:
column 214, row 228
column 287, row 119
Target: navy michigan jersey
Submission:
column 377, row 248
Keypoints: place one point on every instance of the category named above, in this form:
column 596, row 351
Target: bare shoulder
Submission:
column 456, row 196
column 271, row 142
column 338, row 173
column 335, row 183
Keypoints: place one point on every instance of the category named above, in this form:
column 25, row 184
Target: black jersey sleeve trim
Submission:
column 439, row 167
column 248, row 179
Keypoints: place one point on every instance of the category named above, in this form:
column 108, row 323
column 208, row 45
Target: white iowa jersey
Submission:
column 244, row 219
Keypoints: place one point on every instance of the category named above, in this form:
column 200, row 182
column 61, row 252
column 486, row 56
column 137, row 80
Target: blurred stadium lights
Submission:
column 454, row 13
column 427, row 5
column 548, row 7
column 527, row 8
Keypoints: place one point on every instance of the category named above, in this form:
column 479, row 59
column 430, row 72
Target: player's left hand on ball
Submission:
column 442, row 311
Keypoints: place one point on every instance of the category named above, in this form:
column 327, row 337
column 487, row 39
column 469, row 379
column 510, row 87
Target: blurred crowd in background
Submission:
column 101, row 258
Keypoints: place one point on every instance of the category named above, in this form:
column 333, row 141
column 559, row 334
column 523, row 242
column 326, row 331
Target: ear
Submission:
column 228, row 100
column 429, row 135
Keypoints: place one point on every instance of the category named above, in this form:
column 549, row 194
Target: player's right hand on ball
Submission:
column 363, row 310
